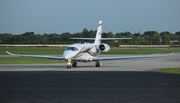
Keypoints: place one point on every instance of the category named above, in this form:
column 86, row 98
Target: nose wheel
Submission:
column 71, row 64
column 97, row 64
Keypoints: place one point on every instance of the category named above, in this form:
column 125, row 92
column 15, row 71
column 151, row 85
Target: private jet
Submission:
column 87, row 52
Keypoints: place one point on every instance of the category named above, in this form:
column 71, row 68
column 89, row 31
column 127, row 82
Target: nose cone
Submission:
column 68, row 54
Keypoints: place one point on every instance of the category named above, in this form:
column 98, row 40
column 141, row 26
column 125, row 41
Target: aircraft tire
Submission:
column 97, row 64
column 74, row 64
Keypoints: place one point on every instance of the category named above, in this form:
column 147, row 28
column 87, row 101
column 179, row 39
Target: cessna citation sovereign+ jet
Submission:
column 87, row 52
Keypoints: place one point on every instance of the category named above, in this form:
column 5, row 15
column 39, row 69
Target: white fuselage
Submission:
column 81, row 52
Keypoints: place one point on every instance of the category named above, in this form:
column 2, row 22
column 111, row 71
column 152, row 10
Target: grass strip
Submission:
column 169, row 70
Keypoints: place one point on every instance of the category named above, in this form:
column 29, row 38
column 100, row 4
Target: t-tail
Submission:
column 97, row 39
column 98, row 34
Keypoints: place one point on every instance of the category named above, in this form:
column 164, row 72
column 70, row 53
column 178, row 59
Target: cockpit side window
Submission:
column 72, row 49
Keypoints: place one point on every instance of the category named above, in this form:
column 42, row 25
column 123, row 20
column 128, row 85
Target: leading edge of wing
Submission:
column 36, row 56
column 129, row 57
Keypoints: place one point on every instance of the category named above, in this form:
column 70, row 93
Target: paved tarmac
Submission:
column 89, row 87
column 123, row 81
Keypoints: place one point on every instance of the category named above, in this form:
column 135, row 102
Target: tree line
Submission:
column 147, row 38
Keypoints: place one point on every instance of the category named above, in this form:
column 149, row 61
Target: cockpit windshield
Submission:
column 72, row 49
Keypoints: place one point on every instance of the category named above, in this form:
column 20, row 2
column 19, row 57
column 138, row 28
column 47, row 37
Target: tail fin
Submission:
column 98, row 36
column 98, row 33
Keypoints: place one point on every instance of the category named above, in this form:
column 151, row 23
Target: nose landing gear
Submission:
column 71, row 64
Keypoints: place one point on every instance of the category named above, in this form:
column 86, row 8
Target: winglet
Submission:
column 8, row 53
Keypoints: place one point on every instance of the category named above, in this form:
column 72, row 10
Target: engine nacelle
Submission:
column 104, row 47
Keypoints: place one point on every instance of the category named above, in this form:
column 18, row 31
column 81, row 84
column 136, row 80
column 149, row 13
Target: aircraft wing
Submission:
column 36, row 56
column 129, row 57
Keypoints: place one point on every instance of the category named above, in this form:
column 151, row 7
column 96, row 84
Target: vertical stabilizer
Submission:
column 98, row 33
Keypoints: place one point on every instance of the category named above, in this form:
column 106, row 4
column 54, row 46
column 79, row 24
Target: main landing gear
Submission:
column 71, row 64
column 74, row 64
column 97, row 64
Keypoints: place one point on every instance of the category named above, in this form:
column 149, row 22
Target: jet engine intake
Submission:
column 104, row 47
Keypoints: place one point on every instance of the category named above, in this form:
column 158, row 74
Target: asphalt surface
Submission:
column 124, row 81
column 89, row 87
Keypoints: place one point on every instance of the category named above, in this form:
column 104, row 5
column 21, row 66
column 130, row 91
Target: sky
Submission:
column 60, row 16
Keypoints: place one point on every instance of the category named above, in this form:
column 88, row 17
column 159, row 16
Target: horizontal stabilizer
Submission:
column 114, row 38
column 83, row 38
column 100, row 38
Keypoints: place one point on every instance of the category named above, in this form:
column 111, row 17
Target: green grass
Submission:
column 59, row 51
column 169, row 70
